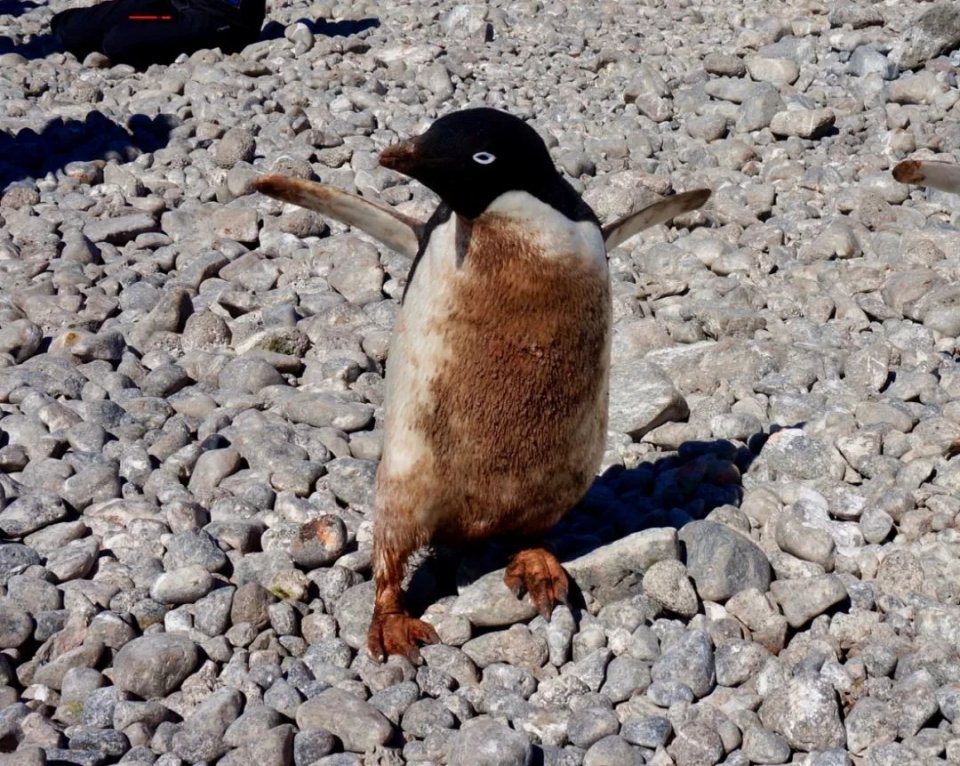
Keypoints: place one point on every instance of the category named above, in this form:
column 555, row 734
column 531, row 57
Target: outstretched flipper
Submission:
column 937, row 175
column 397, row 231
column 620, row 231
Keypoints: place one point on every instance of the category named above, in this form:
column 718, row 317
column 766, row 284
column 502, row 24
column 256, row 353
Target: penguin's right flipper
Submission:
column 397, row 231
column 937, row 175
column 661, row 211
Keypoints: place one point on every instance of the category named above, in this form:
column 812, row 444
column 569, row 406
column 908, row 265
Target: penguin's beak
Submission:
column 404, row 157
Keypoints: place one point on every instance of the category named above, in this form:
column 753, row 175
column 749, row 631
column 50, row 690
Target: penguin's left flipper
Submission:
column 937, row 175
column 661, row 211
column 383, row 223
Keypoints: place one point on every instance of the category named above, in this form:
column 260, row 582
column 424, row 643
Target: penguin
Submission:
column 937, row 175
column 496, row 386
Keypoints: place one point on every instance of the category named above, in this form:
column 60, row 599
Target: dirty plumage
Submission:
column 496, row 380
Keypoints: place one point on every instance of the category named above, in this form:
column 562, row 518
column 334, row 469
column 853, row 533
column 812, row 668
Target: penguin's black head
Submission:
column 471, row 157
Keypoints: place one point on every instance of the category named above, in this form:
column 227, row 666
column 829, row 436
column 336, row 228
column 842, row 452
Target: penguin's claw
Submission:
column 536, row 571
column 399, row 633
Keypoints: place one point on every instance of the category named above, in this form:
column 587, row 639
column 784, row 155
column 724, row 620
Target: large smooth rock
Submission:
column 154, row 665
column 723, row 562
column 359, row 725
column 642, row 397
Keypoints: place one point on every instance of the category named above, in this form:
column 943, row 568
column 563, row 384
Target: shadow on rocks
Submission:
column 37, row 47
column 274, row 30
column 16, row 7
column 32, row 154
column 701, row 477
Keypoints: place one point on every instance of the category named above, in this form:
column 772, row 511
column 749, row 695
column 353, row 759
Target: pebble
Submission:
column 803, row 123
column 191, row 393
column 723, row 562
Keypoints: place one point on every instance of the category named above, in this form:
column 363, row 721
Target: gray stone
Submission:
column 642, row 397
column 591, row 725
column 803, row 540
column 696, row 744
column 516, row 646
column 616, row 568
column 357, row 724
column 688, row 660
column 182, row 586
column 487, row 602
column 933, row 31
column 666, row 582
column 870, row 722
column 425, row 717
column 761, row 746
column 723, row 562
column 16, row 625
column 625, row 677
column 154, row 665
column 804, row 123
column 311, row 746
column 649, row 731
column 792, row 454
column 803, row 599
column 319, row 542
column 484, row 742
column 236, row 145
column 31, row 512
column 121, row 229
column 777, row 71
column 738, row 661
column 804, row 710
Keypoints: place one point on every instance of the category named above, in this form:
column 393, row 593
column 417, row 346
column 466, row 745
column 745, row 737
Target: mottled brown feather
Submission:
column 528, row 340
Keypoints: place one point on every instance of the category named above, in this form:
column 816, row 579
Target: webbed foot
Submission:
column 536, row 571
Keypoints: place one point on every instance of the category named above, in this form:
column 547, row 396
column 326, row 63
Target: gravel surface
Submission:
column 191, row 396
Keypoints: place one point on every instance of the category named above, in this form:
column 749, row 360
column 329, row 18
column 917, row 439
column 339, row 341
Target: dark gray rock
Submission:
column 723, row 562
column 31, row 512
column 650, row 731
column 16, row 625
column 591, row 725
column 696, row 744
column 933, row 31
column 688, row 660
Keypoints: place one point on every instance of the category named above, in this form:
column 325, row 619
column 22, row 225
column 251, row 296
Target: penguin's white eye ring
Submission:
column 484, row 158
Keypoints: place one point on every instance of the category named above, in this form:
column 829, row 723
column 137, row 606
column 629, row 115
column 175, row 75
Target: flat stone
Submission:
column 642, row 397
column 359, row 725
column 154, row 665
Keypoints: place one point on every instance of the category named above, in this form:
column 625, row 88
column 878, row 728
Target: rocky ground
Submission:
column 191, row 389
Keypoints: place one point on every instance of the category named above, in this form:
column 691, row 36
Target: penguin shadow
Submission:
column 31, row 154
column 699, row 479
column 16, row 7
column 274, row 30
column 37, row 47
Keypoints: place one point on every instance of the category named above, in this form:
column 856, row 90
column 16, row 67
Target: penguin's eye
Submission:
column 484, row 158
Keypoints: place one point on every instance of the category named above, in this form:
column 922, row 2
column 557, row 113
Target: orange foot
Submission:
column 399, row 633
column 537, row 572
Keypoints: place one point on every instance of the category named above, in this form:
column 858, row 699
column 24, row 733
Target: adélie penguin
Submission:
column 495, row 410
